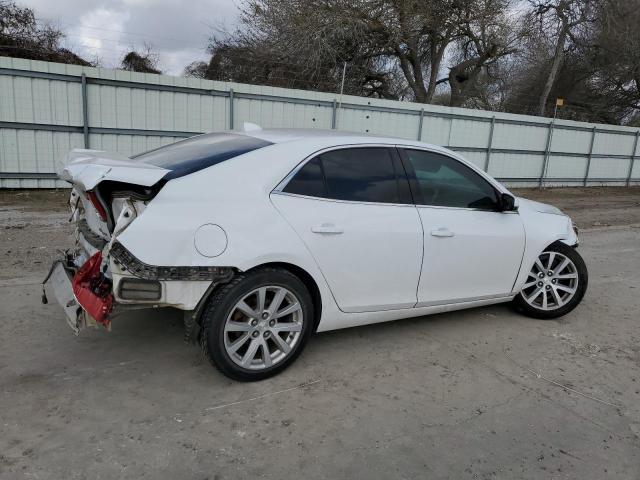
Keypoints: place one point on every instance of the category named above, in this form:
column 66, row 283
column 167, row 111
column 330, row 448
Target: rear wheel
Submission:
column 256, row 325
column 555, row 285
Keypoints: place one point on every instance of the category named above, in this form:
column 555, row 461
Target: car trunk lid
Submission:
column 87, row 168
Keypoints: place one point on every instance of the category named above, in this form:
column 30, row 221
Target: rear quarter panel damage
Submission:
column 165, row 233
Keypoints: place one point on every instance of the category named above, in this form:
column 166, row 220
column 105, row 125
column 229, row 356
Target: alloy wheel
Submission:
column 551, row 283
column 263, row 327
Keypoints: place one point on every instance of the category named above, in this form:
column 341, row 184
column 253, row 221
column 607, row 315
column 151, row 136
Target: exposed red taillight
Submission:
column 93, row 198
column 93, row 290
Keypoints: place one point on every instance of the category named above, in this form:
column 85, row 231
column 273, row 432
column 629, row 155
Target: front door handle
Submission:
column 327, row 228
column 442, row 232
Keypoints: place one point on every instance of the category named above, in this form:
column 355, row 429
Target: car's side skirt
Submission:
column 346, row 320
column 462, row 300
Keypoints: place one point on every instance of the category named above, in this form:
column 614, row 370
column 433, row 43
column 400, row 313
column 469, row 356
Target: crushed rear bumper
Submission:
column 83, row 293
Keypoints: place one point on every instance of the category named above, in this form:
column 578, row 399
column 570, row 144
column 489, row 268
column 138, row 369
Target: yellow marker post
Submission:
column 559, row 103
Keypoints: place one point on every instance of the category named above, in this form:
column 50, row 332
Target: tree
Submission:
column 145, row 61
column 300, row 44
column 22, row 37
column 485, row 35
column 616, row 57
column 197, row 69
column 392, row 47
column 559, row 19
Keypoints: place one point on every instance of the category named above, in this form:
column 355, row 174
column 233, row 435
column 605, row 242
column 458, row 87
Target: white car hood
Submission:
column 539, row 207
column 87, row 168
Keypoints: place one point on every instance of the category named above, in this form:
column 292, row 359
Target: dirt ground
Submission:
column 477, row 394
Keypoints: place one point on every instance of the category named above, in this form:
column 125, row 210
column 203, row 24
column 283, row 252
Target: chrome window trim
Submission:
column 309, row 197
column 335, row 200
column 285, row 181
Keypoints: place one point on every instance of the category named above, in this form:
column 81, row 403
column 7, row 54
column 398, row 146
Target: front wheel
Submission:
column 257, row 324
column 555, row 285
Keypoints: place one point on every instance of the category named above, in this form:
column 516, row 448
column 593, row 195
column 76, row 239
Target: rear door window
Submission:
column 367, row 174
column 361, row 175
column 308, row 181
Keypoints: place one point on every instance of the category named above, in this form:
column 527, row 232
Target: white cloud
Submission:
column 177, row 31
column 109, row 24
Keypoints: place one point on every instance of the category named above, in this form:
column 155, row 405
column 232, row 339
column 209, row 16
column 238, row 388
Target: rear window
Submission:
column 199, row 152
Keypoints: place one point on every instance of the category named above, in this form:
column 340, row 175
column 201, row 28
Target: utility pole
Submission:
column 344, row 71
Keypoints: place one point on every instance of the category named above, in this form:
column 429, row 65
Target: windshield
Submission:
column 199, row 152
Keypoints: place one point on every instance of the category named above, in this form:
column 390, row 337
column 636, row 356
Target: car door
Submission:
column 352, row 208
column 472, row 250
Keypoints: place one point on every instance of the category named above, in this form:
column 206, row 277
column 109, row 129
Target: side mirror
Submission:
column 507, row 203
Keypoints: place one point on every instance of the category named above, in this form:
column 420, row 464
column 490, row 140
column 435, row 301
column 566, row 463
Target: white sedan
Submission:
column 263, row 237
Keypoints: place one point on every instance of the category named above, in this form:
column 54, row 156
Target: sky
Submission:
column 177, row 31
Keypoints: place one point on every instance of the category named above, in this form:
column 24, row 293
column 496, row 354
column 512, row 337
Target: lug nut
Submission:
column 554, row 281
column 548, row 287
column 540, row 284
column 255, row 334
column 265, row 315
column 272, row 323
column 254, row 323
column 541, row 275
column 550, row 273
column 267, row 334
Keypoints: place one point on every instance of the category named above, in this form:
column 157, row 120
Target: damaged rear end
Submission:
column 100, row 276
column 109, row 192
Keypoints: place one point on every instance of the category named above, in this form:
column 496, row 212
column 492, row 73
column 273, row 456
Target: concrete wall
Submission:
column 48, row 108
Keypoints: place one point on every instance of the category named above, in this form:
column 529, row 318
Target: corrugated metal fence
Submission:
column 48, row 108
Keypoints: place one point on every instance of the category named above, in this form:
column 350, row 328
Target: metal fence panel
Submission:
column 571, row 141
column 469, row 133
column 613, row 168
column 47, row 109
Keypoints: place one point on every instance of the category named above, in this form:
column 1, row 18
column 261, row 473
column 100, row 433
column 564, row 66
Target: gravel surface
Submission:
column 476, row 394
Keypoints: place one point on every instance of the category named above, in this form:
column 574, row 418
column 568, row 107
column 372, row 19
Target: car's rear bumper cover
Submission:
column 77, row 300
column 90, row 298
column 79, row 292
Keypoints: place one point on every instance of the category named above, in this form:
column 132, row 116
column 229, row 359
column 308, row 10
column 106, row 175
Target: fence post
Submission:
column 85, row 111
column 231, row 109
column 420, row 124
column 586, row 173
column 489, row 144
column 633, row 158
column 333, row 115
column 546, row 154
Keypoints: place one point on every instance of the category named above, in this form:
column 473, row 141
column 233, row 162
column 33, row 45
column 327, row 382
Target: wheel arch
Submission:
column 306, row 278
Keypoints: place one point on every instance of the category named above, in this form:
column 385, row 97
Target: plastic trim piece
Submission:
column 127, row 261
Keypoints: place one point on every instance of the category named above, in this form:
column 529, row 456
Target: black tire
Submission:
column 220, row 306
column 522, row 306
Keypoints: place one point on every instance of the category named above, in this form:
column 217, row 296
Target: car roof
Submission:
column 321, row 138
column 282, row 135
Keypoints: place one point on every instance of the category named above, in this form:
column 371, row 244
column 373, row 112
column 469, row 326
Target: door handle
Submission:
column 327, row 228
column 442, row 232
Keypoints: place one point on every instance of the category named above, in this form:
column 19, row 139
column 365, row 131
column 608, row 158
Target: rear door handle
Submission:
column 442, row 232
column 327, row 228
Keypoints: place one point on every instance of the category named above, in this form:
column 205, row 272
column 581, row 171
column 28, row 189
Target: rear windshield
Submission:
column 199, row 152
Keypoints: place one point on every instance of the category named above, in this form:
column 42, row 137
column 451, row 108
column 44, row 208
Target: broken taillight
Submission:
column 93, row 198
column 93, row 290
